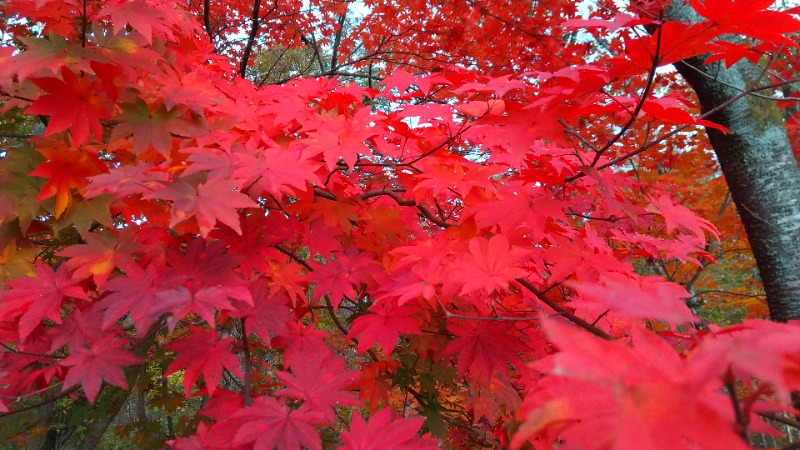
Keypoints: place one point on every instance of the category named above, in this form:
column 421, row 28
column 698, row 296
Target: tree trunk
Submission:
column 762, row 173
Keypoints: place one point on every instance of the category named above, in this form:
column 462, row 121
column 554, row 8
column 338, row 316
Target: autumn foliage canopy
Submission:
column 467, row 225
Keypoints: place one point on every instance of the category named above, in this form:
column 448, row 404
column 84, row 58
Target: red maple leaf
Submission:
column 732, row 53
column 407, row 285
column 42, row 54
column 222, row 405
column 102, row 361
column 673, row 110
column 203, row 264
column 635, row 297
column 202, row 353
column 382, row 432
column 65, row 168
column 342, row 274
column 80, row 328
column 219, row 436
column 750, row 18
column 99, row 256
column 137, row 293
column 71, row 102
column 321, row 238
column 197, row 441
column 193, row 90
column 205, row 302
column 491, row 264
column 641, row 385
column 32, row 299
column 321, row 380
column 269, row 424
column 679, row 216
column 123, row 181
column 521, row 206
column 343, row 137
column 384, row 326
column 209, row 202
column 484, row 347
column 268, row 314
column 758, row 349
column 374, row 384
column 153, row 125
column 301, row 340
column 400, row 80
column 276, row 171
column 140, row 15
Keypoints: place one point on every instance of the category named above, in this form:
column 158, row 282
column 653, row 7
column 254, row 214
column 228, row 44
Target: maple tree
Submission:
column 390, row 224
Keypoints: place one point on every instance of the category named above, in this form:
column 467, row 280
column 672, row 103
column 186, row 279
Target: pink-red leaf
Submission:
column 32, row 299
column 491, row 264
column 635, row 297
column 209, row 202
column 269, row 424
column 384, row 325
column 71, row 102
column 321, row 380
column 679, row 216
column 483, row 347
column 102, row 361
column 202, row 352
column 382, row 432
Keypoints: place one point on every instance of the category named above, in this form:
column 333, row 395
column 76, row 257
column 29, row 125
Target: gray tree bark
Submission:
column 762, row 172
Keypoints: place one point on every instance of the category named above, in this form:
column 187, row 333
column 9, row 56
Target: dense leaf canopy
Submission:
column 382, row 224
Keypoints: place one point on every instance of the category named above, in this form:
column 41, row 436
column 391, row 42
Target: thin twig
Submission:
column 563, row 312
column 741, row 420
column 42, row 403
column 496, row 318
column 20, row 352
column 294, row 257
column 794, row 423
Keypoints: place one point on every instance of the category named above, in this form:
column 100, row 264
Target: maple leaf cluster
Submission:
column 324, row 263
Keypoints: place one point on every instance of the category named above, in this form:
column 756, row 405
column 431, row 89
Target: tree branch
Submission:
column 207, row 19
column 642, row 99
column 247, row 368
column 563, row 312
column 251, row 38
column 669, row 134
column 337, row 41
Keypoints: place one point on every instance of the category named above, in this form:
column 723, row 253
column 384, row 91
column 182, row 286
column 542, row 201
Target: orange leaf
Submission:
column 65, row 168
